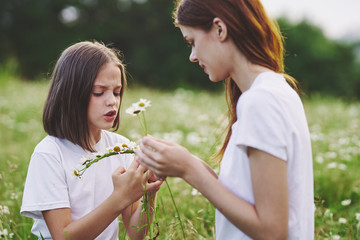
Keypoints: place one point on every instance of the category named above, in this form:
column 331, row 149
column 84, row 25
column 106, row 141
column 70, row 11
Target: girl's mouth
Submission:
column 110, row 115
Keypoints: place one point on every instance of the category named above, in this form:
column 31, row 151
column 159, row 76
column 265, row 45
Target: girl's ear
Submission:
column 220, row 28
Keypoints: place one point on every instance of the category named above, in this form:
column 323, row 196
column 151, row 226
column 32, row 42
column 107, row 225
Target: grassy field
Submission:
column 192, row 119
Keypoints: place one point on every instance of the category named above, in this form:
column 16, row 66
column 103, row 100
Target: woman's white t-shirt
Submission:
column 271, row 118
column 51, row 183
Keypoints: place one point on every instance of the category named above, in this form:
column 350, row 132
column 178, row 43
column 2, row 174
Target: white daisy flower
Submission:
column 133, row 111
column 4, row 210
column 97, row 154
column 342, row 220
column 357, row 216
column 195, row 192
column 76, row 173
column 84, row 160
column 346, row 202
column 132, row 145
column 4, row 233
column 142, row 104
column 328, row 213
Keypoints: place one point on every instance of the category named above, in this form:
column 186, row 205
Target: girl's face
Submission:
column 104, row 100
column 207, row 49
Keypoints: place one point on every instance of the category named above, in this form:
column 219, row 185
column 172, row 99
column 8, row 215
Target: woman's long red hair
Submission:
column 254, row 33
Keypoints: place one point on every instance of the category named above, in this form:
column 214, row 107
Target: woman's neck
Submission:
column 244, row 72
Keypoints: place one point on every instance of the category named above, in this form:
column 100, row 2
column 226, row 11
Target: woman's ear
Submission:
column 220, row 28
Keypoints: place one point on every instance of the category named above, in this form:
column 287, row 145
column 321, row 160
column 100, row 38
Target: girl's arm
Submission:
column 267, row 219
column 134, row 216
column 91, row 225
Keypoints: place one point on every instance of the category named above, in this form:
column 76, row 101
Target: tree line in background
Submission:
column 35, row 32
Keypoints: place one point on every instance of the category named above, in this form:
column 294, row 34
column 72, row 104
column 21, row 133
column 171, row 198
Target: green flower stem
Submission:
column 147, row 209
column 145, row 125
column 177, row 211
column 142, row 123
column 128, row 224
column 88, row 163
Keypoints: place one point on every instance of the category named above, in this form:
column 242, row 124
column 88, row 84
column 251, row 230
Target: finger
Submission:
column 158, row 140
column 134, row 165
column 153, row 177
column 142, row 169
column 153, row 185
column 151, row 143
column 120, row 170
column 146, row 149
column 143, row 160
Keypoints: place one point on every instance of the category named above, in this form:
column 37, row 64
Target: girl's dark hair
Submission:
column 66, row 107
column 255, row 35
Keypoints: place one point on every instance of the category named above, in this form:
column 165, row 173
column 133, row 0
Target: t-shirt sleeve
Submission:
column 261, row 124
column 45, row 186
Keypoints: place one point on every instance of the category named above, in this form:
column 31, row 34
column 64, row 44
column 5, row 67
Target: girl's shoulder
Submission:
column 113, row 137
column 48, row 144
column 56, row 147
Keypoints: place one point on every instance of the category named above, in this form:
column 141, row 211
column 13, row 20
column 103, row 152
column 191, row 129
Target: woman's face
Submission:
column 104, row 100
column 206, row 48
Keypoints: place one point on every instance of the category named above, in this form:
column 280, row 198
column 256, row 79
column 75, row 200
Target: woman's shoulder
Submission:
column 269, row 88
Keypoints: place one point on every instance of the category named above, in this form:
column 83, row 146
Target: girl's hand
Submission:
column 152, row 178
column 163, row 158
column 131, row 185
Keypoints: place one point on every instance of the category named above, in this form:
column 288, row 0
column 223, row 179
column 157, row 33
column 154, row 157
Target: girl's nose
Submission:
column 110, row 100
column 193, row 57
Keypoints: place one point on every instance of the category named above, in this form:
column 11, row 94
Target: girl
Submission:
column 265, row 186
column 84, row 100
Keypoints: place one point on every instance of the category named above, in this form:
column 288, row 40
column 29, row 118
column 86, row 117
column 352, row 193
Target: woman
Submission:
column 265, row 186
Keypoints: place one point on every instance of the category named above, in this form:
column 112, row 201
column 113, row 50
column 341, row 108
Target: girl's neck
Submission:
column 95, row 138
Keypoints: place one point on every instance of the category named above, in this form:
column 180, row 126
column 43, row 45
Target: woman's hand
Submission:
column 163, row 158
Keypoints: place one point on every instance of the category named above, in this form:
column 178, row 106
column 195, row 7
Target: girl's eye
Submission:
column 117, row 94
column 190, row 44
column 98, row 94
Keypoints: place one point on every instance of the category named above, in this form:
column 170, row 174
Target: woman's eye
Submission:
column 98, row 94
column 117, row 93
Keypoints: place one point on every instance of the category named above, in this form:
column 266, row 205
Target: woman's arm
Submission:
column 91, row 225
column 268, row 218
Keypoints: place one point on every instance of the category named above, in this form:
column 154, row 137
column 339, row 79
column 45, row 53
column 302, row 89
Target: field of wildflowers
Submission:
column 193, row 119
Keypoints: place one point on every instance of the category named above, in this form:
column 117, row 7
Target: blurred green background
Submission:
column 33, row 34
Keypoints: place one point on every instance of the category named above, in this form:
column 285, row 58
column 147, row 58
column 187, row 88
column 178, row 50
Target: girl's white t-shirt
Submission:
column 51, row 183
column 271, row 118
